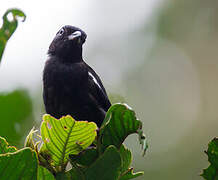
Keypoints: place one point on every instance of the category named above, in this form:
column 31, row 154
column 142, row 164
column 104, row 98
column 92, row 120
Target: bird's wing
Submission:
column 97, row 90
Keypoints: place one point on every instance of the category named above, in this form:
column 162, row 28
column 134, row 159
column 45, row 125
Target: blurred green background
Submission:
column 158, row 56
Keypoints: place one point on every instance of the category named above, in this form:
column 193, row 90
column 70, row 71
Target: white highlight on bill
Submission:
column 74, row 35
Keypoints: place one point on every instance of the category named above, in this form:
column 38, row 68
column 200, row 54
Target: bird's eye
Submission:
column 61, row 32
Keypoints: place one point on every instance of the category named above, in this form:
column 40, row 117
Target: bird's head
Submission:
column 67, row 43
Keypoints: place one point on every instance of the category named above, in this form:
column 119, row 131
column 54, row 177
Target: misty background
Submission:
column 158, row 56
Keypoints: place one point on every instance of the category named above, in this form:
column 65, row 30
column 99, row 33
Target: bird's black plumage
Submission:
column 70, row 86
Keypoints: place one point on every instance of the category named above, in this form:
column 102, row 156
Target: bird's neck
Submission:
column 73, row 56
column 76, row 54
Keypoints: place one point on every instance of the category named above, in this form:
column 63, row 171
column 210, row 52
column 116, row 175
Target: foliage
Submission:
column 8, row 27
column 44, row 174
column 15, row 115
column 65, row 140
column 211, row 173
column 21, row 164
column 5, row 148
column 16, row 106
column 114, row 126
column 64, row 137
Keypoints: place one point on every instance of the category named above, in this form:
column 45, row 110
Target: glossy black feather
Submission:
column 70, row 86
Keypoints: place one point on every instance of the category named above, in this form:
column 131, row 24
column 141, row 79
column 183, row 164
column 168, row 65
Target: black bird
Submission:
column 70, row 86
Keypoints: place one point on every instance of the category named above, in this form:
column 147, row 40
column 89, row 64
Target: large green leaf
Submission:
column 21, row 164
column 211, row 173
column 8, row 27
column 106, row 167
column 44, row 174
column 120, row 121
column 15, row 115
column 4, row 146
column 63, row 137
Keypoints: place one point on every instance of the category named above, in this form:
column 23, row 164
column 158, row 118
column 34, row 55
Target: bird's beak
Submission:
column 74, row 35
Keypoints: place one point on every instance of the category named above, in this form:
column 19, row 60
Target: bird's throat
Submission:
column 72, row 55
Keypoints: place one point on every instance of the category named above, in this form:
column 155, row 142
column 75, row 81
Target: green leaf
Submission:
column 65, row 136
column 106, row 167
column 21, row 164
column 15, row 115
column 126, row 157
column 120, row 121
column 9, row 27
column 211, row 173
column 85, row 158
column 130, row 175
column 212, row 152
column 4, row 146
column 44, row 174
column 73, row 174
